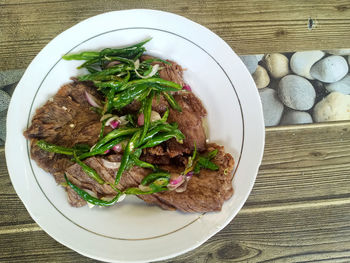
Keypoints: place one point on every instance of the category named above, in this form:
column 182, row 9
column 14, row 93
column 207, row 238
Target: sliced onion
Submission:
column 117, row 148
column 106, row 151
column 90, row 205
column 92, row 194
column 155, row 116
column 121, row 198
column 121, row 74
column 141, row 119
column 106, row 116
column 182, row 187
column 137, row 64
column 92, row 147
column 123, row 120
column 187, row 87
column 92, row 100
column 109, row 198
column 144, row 188
column 113, row 122
column 112, row 63
column 110, row 165
column 189, row 175
column 154, row 70
column 177, row 180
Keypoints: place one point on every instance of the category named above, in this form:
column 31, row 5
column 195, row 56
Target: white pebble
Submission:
column 261, row 77
column 330, row 69
column 342, row 86
column 335, row 107
column 277, row 65
column 291, row 117
column 301, row 62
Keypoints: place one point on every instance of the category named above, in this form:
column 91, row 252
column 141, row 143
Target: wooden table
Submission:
column 299, row 209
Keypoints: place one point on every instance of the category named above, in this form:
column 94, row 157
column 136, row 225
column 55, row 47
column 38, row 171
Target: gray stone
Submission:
column 10, row 76
column 295, row 117
column 4, row 100
column 10, row 88
column 251, row 62
column 259, row 57
column 335, row 107
column 296, row 92
column 301, row 62
column 3, row 128
column 330, row 69
column 272, row 107
column 342, row 86
column 340, row 52
column 2, row 143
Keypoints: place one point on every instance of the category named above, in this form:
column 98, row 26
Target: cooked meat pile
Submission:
column 67, row 120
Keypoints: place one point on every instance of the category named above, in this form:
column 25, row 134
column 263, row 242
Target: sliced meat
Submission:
column 74, row 199
column 190, row 122
column 65, row 120
column 205, row 192
column 173, row 72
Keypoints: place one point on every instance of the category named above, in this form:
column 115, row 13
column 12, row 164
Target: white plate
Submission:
column 134, row 231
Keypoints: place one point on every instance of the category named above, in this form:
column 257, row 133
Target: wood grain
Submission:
column 249, row 27
column 298, row 211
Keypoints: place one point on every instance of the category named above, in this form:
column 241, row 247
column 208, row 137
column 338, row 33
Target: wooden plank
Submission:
column 292, row 235
column 297, row 211
column 248, row 27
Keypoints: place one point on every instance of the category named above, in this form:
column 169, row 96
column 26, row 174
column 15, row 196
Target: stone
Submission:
column 330, row 69
column 342, row 86
column 301, row 62
column 296, row 92
column 272, row 107
column 291, row 117
column 10, row 88
column 349, row 59
column 10, row 76
column 335, row 107
column 261, row 77
column 340, row 52
column 3, row 128
column 259, row 57
column 250, row 62
column 277, row 65
column 2, row 143
column 4, row 100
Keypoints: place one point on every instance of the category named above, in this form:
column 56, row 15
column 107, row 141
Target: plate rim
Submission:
column 7, row 146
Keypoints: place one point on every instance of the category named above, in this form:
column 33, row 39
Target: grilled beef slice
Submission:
column 64, row 120
column 205, row 192
column 190, row 122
